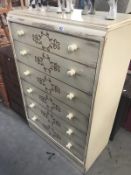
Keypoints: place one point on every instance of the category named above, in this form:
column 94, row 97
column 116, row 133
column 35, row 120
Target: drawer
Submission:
column 81, row 50
column 71, row 96
column 57, row 136
column 57, row 123
column 71, row 116
column 70, row 72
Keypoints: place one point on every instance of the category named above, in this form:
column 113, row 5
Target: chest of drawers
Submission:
column 70, row 79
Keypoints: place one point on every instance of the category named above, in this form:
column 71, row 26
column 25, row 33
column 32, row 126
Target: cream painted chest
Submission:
column 71, row 70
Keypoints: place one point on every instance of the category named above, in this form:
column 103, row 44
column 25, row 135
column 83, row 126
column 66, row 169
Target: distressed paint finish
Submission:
column 99, row 41
column 56, row 107
column 58, row 89
column 55, row 43
column 53, row 65
column 57, row 135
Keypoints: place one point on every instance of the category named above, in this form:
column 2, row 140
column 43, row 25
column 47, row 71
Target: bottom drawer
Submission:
column 57, row 136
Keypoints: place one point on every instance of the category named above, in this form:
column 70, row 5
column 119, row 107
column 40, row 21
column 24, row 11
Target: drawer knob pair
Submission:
column 71, row 72
column 27, row 72
column 69, row 132
column 69, row 145
column 70, row 96
column 32, row 105
column 23, row 52
column 72, row 48
column 70, row 116
column 20, row 32
column 29, row 90
column 34, row 118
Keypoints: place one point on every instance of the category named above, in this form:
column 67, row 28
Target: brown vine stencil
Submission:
column 49, row 103
column 47, row 64
column 49, row 87
column 47, row 43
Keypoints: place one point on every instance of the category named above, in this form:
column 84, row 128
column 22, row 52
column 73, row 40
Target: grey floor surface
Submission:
column 22, row 152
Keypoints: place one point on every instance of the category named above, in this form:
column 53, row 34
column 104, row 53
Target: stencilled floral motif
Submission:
column 47, row 43
column 49, row 87
column 51, row 131
column 47, row 64
column 48, row 102
column 50, row 123
column 50, row 118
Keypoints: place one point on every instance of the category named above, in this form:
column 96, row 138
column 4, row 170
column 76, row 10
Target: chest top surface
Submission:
column 74, row 23
column 93, row 21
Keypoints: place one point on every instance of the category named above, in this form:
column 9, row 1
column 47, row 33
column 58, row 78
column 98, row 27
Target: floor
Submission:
column 22, row 152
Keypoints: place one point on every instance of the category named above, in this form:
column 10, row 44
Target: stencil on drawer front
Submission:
column 81, row 50
column 75, row 74
column 75, row 149
column 49, row 86
column 48, row 65
column 44, row 39
column 48, row 126
column 71, row 96
column 48, row 101
column 61, row 126
column 56, row 107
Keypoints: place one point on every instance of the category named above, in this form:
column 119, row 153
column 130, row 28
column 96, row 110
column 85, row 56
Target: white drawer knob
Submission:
column 69, row 132
column 72, row 48
column 29, row 90
column 23, row 52
column 27, row 72
column 69, row 145
column 70, row 116
column 70, row 96
column 20, row 32
column 34, row 118
column 32, row 105
column 71, row 72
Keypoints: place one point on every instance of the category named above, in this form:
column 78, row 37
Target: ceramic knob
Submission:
column 69, row 132
column 20, row 32
column 70, row 96
column 72, row 48
column 71, row 72
column 70, row 116
column 69, row 145
column 23, row 52
column 29, row 90
column 27, row 72
column 32, row 105
column 34, row 118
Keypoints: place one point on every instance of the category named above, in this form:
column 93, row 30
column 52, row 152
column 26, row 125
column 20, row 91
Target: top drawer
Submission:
column 80, row 50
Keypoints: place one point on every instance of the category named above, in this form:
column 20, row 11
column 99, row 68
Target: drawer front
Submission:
column 57, row 136
column 61, row 126
column 80, row 50
column 72, row 73
column 71, row 116
column 73, row 97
